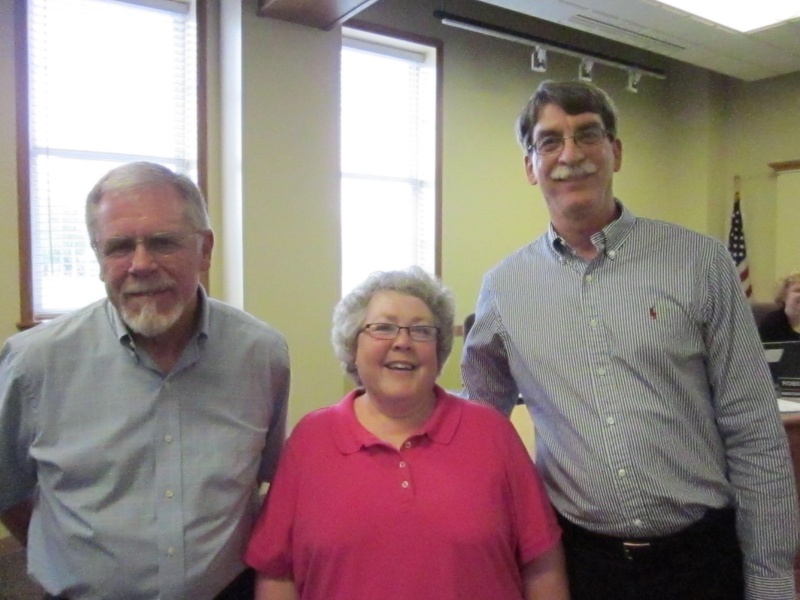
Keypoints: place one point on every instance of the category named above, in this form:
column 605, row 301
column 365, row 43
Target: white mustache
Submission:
column 564, row 172
column 147, row 288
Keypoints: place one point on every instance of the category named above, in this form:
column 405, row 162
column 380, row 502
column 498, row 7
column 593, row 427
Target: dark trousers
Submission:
column 241, row 588
column 701, row 562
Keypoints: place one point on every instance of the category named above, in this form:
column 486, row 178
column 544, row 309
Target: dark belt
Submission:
column 718, row 521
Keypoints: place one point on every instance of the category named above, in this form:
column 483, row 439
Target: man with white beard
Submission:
column 135, row 432
column 635, row 351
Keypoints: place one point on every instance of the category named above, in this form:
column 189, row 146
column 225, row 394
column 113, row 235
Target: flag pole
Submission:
column 736, row 182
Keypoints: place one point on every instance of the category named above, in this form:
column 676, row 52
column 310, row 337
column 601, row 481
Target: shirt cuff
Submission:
column 762, row 588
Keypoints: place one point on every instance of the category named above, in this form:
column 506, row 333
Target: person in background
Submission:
column 134, row 432
column 783, row 324
column 402, row 491
column 657, row 431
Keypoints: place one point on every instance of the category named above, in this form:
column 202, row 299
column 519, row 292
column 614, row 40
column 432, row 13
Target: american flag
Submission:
column 737, row 248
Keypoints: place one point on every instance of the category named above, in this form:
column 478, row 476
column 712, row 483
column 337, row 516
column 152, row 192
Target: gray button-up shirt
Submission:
column 145, row 484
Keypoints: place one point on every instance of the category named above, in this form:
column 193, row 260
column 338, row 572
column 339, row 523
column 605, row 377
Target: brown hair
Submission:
column 574, row 98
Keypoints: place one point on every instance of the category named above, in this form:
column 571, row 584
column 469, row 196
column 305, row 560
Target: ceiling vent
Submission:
column 635, row 37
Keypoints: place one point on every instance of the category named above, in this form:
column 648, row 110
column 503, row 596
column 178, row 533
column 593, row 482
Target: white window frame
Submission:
column 417, row 222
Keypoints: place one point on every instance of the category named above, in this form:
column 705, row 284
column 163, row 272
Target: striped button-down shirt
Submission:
column 645, row 378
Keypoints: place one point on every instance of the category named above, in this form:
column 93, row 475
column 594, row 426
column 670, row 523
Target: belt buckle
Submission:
column 629, row 548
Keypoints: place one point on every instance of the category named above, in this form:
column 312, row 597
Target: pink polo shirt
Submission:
column 455, row 513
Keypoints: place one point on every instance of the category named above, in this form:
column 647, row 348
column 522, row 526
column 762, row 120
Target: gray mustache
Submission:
column 563, row 172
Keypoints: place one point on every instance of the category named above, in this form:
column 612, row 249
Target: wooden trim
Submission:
column 782, row 167
column 202, row 109
column 320, row 14
column 396, row 33
column 23, row 166
column 439, row 155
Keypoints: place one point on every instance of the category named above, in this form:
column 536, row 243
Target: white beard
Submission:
column 148, row 322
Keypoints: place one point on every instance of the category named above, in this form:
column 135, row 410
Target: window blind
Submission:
column 108, row 82
column 388, row 159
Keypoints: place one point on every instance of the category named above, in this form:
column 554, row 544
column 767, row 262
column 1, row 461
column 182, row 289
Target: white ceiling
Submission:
column 652, row 26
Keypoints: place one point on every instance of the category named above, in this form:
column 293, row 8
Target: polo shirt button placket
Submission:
column 405, row 482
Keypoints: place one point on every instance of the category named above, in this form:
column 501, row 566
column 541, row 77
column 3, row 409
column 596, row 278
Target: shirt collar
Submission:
column 124, row 335
column 351, row 436
column 608, row 240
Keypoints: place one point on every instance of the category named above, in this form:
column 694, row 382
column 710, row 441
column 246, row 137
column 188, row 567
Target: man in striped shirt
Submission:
column 635, row 351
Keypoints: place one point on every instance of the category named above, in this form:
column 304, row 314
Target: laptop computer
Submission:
column 784, row 364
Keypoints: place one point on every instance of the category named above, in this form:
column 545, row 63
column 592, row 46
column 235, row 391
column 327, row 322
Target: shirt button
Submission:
column 407, row 445
column 402, row 464
column 610, row 420
column 638, row 522
column 169, row 494
column 168, row 438
column 601, row 371
column 589, row 278
column 622, row 472
column 612, row 253
column 593, row 322
column 404, row 484
column 170, row 551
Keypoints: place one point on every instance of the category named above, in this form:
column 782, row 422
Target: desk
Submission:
column 791, row 422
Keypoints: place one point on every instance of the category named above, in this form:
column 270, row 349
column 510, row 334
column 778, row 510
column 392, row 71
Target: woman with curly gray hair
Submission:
column 348, row 317
column 402, row 491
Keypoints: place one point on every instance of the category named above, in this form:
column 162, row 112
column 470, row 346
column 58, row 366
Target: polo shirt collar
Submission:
column 351, row 436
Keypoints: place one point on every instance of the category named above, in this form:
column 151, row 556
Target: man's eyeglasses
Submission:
column 157, row 244
column 389, row 331
column 591, row 136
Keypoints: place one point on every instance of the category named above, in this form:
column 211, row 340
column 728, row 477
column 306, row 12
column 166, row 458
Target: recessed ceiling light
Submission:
column 741, row 16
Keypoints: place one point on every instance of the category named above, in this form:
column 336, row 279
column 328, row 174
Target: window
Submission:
column 108, row 82
column 389, row 156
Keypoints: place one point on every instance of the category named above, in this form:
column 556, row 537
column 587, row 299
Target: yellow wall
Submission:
column 764, row 127
column 787, row 217
column 684, row 139
column 9, row 273
column 281, row 171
